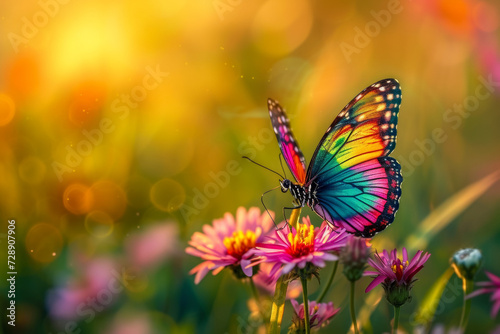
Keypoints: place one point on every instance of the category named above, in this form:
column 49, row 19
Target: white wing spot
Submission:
column 342, row 114
column 376, row 85
column 390, row 96
column 384, row 126
column 358, row 97
column 382, row 89
column 394, row 114
column 388, row 115
column 392, row 126
column 388, row 81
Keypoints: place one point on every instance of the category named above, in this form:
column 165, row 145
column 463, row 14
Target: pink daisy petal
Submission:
column 229, row 241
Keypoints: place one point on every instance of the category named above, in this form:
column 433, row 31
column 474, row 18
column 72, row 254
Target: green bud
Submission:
column 466, row 262
column 397, row 295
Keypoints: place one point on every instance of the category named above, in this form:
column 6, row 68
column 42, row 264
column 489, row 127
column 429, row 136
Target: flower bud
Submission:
column 397, row 294
column 466, row 262
column 354, row 257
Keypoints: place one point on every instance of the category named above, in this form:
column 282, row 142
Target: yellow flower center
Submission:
column 397, row 267
column 302, row 243
column 240, row 243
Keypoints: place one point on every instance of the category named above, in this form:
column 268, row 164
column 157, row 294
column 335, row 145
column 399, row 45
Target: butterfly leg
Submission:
column 265, row 207
column 289, row 208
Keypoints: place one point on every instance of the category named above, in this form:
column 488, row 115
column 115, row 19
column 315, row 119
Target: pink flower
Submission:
column 319, row 314
column 395, row 275
column 151, row 247
column 492, row 287
column 229, row 243
column 354, row 257
column 94, row 276
column 289, row 248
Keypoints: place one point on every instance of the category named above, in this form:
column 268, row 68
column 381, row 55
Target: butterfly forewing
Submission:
column 288, row 145
column 365, row 129
column 358, row 186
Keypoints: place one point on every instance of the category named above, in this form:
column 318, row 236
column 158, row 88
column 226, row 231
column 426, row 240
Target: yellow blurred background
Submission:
column 123, row 123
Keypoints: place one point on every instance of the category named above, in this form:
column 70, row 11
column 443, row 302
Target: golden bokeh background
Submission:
column 123, row 123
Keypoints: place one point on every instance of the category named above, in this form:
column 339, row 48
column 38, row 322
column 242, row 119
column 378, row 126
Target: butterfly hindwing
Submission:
column 288, row 145
column 358, row 186
column 363, row 198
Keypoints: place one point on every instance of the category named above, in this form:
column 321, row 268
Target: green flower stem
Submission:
column 278, row 306
column 396, row 319
column 303, row 279
column 464, row 319
column 329, row 283
column 353, row 311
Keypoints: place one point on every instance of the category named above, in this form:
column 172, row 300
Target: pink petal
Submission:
column 495, row 309
column 493, row 278
column 247, row 270
column 376, row 281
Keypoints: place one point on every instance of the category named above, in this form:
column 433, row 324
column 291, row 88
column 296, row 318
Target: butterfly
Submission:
column 351, row 181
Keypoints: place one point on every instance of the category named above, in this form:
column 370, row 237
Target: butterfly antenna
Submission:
column 265, row 207
column 281, row 163
column 269, row 169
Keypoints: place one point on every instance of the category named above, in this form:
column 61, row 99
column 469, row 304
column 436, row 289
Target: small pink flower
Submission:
column 93, row 277
column 319, row 314
column 395, row 275
column 229, row 242
column 153, row 246
column 289, row 248
column 492, row 287
column 354, row 257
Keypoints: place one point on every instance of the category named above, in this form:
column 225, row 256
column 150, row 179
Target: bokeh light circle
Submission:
column 32, row 170
column 44, row 242
column 7, row 109
column 167, row 195
column 108, row 197
column 77, row 198
column 99, row 224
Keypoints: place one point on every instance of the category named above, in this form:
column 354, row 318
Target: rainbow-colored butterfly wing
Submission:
column 288, row 145
column 358, row 186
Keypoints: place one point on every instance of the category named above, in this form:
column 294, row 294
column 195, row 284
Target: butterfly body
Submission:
column 304, row 195
column 351, row 181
